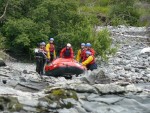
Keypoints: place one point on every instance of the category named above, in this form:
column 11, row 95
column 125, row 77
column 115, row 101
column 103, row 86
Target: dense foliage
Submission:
column 123, row 12
column 116, row 12
column 28, row 22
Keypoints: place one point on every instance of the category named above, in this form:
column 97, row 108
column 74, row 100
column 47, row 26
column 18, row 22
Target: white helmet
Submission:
column 68, row 45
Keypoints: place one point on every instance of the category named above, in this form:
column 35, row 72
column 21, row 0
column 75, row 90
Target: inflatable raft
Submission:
column 64, row 67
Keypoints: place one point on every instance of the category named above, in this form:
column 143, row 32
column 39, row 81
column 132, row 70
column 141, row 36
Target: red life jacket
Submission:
column 92, row 51
column 83, row 54
column 66, row 53
column 52, row 47
column 93, row 61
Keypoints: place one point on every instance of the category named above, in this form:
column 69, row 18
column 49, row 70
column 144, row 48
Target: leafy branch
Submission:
column 5, row 10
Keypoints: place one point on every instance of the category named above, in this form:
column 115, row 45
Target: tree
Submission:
column 5, row 9
column 30, row 22
column 124, row 12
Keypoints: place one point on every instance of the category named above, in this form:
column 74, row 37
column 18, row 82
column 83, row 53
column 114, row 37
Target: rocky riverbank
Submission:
column 120, row 86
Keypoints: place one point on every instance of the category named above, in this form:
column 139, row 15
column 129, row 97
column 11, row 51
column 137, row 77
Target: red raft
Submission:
column 63, row 67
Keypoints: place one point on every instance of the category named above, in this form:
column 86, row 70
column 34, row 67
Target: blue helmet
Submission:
column 88, row 45
column 88, row 52
column 82, row 44
column 42, row 44
column 51, row 39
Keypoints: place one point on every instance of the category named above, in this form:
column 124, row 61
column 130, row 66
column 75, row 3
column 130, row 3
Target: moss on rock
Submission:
column 68, row 105
column 10, row 103
column 41, row 109
column 59, row 94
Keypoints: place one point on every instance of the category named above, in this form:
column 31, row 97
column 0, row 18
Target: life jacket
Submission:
column 41, row 53
column 67, row 53
column 92, row 51
column 83, row 55
column 92, row 62
column 52, row 47
column 43, row 50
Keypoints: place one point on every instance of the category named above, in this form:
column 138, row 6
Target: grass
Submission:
column 103, row 7
column 144, row 11
column 95, row 9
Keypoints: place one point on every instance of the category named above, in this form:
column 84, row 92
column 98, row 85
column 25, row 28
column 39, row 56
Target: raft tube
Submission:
column 64, row 66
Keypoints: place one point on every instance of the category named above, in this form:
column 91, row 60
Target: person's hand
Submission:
column 48, row 58
column 36, row 50
column 48, row 61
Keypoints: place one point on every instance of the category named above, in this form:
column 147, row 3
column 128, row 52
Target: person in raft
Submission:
column 89, row 48
column 67, row 52
column 50, row 47
column 81, row 53
column 40, row 54
column 89, row 61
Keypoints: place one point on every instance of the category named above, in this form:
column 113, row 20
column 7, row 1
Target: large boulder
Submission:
column 109, row 88
column 96, row 77
column 2, row 63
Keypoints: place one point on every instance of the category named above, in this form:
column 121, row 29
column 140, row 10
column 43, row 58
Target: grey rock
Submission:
column 82, row 88
column 22, row 79
column 107, row 99
column 29, row 109
column 141, row 67
column 148, row 75
column 93, row 107
column 148, row 59
column 25, row 71
column 2, row 63
column 145, row 79
column 16, row 73
column 53, row 105
column 137, row 70
column 43, row 104
column 80, row 109
column 132, row 70
column 127, row 68
column 136, row 104
column 109, row 88
column 97, row 77
column 123, row 83
column 133, row 88
column 71, row 110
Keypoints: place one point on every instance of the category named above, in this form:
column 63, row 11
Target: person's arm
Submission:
column 54, row 54
column 86, row 62
column 61, row 53
column 93, row 51
column 72, row 54
column 78, row 55
column 48, row 52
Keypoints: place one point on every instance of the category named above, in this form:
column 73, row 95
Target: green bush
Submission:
column 23, row 34
column 124, row 12
column 95, row 9
column 29, row 23
column 102, row 43
column 2, row 42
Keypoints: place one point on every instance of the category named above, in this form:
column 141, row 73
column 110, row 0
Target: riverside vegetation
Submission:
column 24, row 23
